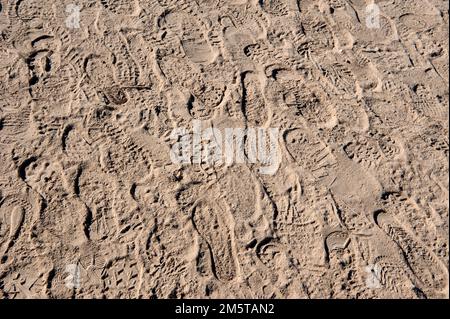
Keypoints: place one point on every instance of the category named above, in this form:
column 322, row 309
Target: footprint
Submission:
column 74, row 145
column 253, row 103
column 427, row 105
column 271, row 254
column 340, row 77
column 310, row 153
column 28, row 10
column 116, row 95
column 95, row 191
column 14, row 124
column 411, row 23
column 122, row 155
column 212, row 225
column 318, row 32
column 12, row 216
column 337, row 240
column 312, row 103
column 364, row 151
column 126, row 67
column 274, row 7
column 391, row 146
column 426, row 267
column 352, row 115
column 419, row 220
column 121, row 278
column 192, row 34
column 390, row 274
column 121, row 7
column 203, row 260
column 99, row 69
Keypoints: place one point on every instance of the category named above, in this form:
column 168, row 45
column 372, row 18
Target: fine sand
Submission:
column 92, row 204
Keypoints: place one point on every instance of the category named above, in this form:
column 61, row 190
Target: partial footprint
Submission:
column 192, row 34
column 275, row 7
column 120, row 278
column 12, row 216
column 425, row 265
column 428, row 105
column 310, row 153
column 121, row 7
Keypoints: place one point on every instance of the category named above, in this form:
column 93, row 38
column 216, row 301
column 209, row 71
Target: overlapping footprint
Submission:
column 433, row 276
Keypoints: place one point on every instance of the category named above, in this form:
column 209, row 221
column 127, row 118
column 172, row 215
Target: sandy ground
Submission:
column 92, row 203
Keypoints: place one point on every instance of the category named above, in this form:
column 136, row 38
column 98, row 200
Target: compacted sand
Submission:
column 97, row 98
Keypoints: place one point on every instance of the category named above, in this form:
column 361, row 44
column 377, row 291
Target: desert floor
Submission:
column 116, row 182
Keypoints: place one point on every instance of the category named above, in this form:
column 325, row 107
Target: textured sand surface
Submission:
column 92, row 204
